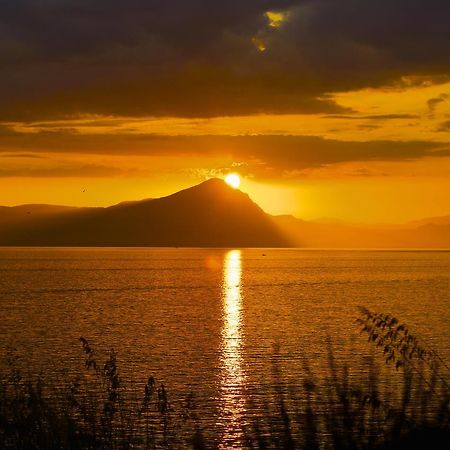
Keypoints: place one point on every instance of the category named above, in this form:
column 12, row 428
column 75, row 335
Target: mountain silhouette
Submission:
column 211, row 214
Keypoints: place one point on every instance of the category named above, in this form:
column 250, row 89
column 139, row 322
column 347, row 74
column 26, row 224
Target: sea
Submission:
column 225, row 325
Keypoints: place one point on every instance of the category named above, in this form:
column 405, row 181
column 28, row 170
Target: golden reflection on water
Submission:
column 232, row 376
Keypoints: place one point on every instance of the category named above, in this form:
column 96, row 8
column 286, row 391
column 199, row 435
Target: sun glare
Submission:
column 233, row 180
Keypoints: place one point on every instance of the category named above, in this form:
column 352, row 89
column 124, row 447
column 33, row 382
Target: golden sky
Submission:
column 325, row 109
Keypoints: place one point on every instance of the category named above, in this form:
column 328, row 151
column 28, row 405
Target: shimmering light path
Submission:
column 232, row 377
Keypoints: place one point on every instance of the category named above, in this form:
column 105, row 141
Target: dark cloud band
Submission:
column 260, row 153
column 195, row 58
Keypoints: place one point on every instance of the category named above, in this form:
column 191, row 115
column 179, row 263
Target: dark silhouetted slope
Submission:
column 30, row 213
column 210, row 214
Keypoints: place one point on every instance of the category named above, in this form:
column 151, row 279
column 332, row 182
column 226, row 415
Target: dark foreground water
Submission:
column 212, row 321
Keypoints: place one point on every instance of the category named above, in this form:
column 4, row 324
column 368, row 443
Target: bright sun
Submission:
column 233, row 180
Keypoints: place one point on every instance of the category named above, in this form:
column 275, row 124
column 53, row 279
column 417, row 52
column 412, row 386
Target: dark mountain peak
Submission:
column 209, row 196
column 212, row 192
column 211, row 183
column 210, row 214
column 213, row 186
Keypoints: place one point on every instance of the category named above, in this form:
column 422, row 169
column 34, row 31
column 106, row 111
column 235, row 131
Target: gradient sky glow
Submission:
column 326, row 108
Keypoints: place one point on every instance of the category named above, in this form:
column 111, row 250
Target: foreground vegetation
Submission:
column 338, row 410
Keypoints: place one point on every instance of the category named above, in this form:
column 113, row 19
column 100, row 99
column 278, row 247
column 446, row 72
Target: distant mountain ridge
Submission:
column 340, row 235
column 211, row 214
column 441, row 220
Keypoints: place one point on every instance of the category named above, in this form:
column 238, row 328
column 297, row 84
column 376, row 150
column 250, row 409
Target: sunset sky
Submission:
column 326, row 108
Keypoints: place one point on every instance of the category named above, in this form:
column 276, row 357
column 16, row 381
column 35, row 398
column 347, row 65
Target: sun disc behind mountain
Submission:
column 233, row 180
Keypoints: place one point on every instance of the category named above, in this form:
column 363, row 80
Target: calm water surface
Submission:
column 213, row 321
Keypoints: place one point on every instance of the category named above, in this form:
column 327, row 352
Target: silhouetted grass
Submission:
column 405, row 405
column 335, row 409
column 95, row 410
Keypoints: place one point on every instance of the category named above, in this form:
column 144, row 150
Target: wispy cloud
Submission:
column 74, row 171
